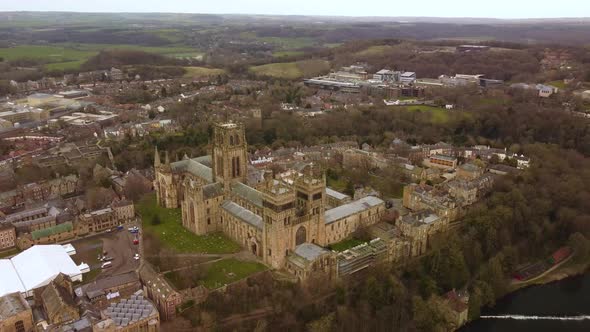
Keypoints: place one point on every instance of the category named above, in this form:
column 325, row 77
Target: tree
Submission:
column 135, row 187
column 581, row 246
column 156, row 219
column 323, row 324
column 98, row 197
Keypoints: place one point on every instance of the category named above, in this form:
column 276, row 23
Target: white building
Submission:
column 37, row 267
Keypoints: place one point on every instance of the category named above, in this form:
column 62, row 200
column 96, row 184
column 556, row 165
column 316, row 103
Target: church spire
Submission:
column 157, row 162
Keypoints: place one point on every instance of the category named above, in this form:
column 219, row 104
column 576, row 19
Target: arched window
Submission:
column 192, row 213
column 231, row 140
column 237, row 140
column 19, row 326
column 300, row 236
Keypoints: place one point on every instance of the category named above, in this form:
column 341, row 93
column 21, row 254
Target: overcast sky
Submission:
column 433, row 8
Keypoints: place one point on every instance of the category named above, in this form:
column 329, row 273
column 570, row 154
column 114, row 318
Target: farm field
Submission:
column 202, row 71
column 71, row 56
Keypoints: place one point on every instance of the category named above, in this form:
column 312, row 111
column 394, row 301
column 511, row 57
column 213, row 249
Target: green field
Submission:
column 283, row 43
column 375, row 50
column 45, row 53
column 558, row 84
column 174, row 236
column 292, row 70
column 346, row 244
column 288, row 43
column 230, row 270
column 71, row 56
column 287, row 53
column 438, row 114
column 217, row 274
column 202, row 71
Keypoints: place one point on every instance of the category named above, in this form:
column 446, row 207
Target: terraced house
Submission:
column 278, row 220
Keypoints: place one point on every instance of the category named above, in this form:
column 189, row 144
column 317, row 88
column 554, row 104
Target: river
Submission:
column 559, row 306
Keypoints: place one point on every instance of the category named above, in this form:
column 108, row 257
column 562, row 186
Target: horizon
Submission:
column 300, row 15
column 523, row 10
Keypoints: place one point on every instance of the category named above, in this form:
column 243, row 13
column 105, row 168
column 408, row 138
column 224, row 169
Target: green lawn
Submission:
column 65, row 65
column 217, row 274
column 346, row 244
column 287, row 70
column 174, row 236
column 287, row 53
column 558, row 84
column 202, row 71
column 292, row 70
column 51, row 54
column 230, row 270
column 289, row 43
column 375, row 50
column 438, row 114
column 337, row 184
column 71, row 56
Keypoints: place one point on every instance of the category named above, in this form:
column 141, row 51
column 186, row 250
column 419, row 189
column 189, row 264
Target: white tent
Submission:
column 36, row 267
column 9, row 280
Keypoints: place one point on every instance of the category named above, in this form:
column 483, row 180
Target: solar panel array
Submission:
column 131, row 310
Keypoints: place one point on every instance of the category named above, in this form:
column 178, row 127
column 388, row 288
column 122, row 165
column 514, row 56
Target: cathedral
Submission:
column 283, row 222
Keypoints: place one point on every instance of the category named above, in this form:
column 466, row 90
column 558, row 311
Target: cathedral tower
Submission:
column 278, row 215
column 229, row 156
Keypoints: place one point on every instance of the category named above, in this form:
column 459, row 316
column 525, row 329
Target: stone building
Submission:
column 15, row 314
column 157, row 288
column 271, row 220
column 419, row 227
column 7, row 236
column 58, row 303
column 107, row 290
column 312, row 261
column 335, row 198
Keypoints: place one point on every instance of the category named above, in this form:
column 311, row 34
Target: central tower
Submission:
column 229, row 157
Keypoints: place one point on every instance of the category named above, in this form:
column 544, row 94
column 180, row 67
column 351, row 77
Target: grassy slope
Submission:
column 174, row 236
column 202, row 71
column 230, row 270
column 71, row 56
column 438, row 115
column 290, row 70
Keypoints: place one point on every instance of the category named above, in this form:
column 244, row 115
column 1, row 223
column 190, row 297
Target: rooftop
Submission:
column 349, row 209
column 128, row 311
column 12, row 304
column 242, row 214
column 336, row 194
column 310, row 251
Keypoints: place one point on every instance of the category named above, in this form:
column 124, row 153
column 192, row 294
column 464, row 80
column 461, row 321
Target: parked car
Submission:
column 106, row 265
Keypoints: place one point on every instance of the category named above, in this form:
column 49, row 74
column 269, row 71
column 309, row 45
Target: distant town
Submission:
column 320, row 190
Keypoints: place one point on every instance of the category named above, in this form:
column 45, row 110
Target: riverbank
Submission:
column 568, row 269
